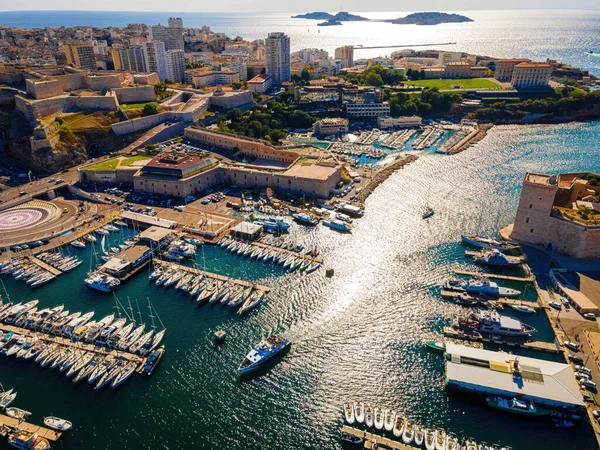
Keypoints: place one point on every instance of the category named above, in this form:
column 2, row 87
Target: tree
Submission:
column 236, row 85
column 306, row 73
column 373, row 79
column 150, row 109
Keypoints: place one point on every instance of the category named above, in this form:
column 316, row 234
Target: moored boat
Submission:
column 58, row 424
column 264, row 351
column 359, row 412
column 349, row 412
column 399, row 425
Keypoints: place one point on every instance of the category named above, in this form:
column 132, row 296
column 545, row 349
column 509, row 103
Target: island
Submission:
column 429, row 18
column 342, row 16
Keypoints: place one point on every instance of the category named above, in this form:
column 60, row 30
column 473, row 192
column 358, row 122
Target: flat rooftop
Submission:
column 584, row 285
column 493, row 372
column 311, row 171
column 115, row 265
column 155, row 233
column 133, row 253
column 148, row 220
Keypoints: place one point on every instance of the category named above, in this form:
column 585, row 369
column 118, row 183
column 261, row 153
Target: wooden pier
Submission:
column 212, row 275
column 282, row 250
column 371, row 439
column 47, row 267
column 493, row 276
column 42, row 432
column 81, row 346
column 476, row 337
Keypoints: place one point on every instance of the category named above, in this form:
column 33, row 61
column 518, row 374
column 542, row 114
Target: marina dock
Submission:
column 476, row 337
column 451, row 295
column 494, row 276
column 42, row 432
column 68, row 343
column 47, row 267
column 212, row 275
column 371, row 438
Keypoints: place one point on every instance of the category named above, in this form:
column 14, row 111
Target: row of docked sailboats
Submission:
column 59, row 261
column 109, row 332
column 289, row 261
column 24, row 270
column 401, row 427
column 207, row 289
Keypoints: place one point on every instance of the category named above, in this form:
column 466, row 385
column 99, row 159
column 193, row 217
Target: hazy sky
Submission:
column 288, row 6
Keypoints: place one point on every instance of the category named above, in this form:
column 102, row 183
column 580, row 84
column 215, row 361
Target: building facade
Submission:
column 130, row 59
column 367, row 109
column 328, row 127
column 214, row 78
column 398, row 122
column 175, row 22
column 505, row 67
column 171, row 36
column 277, row 47
column 531, row 76
column 175, row 65
column 260, row 83
column 155, row 55
column 80, row 55
column 345, row 55
column 459, row 69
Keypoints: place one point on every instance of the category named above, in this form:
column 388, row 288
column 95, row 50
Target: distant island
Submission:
column 429, row 18
column 329, row 23
column 342, row 16
column 420, row 18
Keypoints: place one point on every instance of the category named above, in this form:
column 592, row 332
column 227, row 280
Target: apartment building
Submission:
column 130, row 59
column 155, row 55
column 175, row 65
column 171, row 36
column 80, row 54
column 277, row 46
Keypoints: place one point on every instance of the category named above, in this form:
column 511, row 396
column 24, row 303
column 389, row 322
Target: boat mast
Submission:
column 131, row 311
column 156, row 314
column 138, row 308
column 151, row 315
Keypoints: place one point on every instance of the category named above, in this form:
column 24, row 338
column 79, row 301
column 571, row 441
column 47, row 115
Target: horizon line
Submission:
column 288, row 12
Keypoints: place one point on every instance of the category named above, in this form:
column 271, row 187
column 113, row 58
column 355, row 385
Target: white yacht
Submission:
column 101, row 281
column 480, row 286
column 494, row 257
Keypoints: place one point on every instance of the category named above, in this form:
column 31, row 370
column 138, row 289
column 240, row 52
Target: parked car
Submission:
column 555, row 305
column 571, row 345
column 575, row 359
column 588, row 384
column 590, row 316
column 583, row 369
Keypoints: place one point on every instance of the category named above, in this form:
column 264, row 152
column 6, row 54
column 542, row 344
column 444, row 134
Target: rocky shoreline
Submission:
column 383, row 175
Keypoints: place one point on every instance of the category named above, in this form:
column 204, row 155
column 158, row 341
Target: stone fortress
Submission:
column 561, row 212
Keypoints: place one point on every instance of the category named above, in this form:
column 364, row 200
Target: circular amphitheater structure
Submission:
column 27, row 215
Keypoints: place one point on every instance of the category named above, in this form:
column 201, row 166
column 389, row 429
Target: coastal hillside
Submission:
column 430, row 18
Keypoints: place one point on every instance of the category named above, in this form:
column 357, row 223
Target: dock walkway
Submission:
column 68, row 343
column 371, row 438
column 533, row 345
column 47, row 267
column 212, row 275
column 494, row 276
column 42, row 432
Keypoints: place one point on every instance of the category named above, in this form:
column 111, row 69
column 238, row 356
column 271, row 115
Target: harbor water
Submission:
column 358, row 335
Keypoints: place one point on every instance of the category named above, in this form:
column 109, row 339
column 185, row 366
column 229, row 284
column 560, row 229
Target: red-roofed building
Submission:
column 505, row 67
column 528, row 75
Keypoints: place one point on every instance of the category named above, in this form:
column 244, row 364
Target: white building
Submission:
column 260, row 83
column 309, row 55
column 156, row 58
column 368, row 109
column 398, row 122
column 175, row 65
column 446, row 57
column 345, row 55
column 531, row 76
column 277, row 46
column 214, row 78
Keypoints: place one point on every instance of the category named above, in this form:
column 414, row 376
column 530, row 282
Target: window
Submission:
column 530, row 205
column 531, row 231
column 527, row 220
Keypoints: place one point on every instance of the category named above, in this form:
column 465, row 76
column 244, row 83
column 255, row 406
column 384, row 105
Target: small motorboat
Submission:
column 428, row 212
column 352, row 440
column 399, row 425
column 349, row 412
column 440, row 440
column 419, row 436
column 359, row 412
column 17, row 413
column 561, row 423
column 378, row 419
column 523, row 309
column 58, row 424
column 409, row 433
column 471, row 445
column 368, row 416
column 439, row 347
column 389, row 419
column 430, row 439
column 452, row 443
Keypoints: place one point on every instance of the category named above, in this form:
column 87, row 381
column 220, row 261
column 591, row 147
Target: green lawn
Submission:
column 109, row 164
column 129, row 106
column 129, row 161
column 465, row 83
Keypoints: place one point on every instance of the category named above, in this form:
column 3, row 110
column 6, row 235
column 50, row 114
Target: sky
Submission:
column 288, row 6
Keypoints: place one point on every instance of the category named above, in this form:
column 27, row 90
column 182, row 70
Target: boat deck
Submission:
column 372, row 439
column 471, row 254
column 67, row 343
column 212, row 275
column 493, row 276
column 283, row 251
column 477, row 337
column 47, row 267
column 43, row 432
